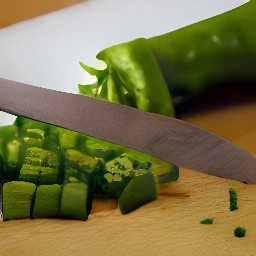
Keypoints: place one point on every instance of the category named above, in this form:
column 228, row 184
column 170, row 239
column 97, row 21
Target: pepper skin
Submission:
column 187, row 61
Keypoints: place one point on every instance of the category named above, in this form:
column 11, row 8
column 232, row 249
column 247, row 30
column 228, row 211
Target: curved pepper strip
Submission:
column 187, row 61
column 133, row 77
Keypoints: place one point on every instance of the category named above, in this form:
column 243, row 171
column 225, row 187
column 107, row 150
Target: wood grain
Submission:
column 168, row 226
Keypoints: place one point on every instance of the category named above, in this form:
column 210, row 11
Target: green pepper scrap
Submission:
column 240, row 231
column 207, row 221
column 187, row 61
column 232, row 199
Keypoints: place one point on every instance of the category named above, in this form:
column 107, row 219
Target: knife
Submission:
column 172, row 140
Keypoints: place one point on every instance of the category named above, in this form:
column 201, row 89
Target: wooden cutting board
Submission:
column 168, row 226
column 19, row 10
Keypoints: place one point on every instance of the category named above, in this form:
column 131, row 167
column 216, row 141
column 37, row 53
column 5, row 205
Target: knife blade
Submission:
column 169, row 139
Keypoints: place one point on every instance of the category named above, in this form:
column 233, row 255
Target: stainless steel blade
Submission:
column 169, row 139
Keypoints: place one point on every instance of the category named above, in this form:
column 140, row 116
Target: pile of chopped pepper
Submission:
column 47, row 171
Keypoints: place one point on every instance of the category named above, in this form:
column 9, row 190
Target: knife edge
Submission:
column 169, row 139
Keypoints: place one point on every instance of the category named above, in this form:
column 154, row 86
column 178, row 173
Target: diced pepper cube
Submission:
column 139, row 191
column 39, row 174
column 17, row 199
column 47, row 201
column 74, row 201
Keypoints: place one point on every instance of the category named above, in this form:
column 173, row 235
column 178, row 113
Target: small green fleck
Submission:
column 239, row 231
column 232, row 199
column 117, row 177
column 109, row 177
column 207, row 221
column 36, row 133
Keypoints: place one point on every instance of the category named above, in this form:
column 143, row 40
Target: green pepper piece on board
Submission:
column 100, row 149
column 12, row 151
column 74, row 201
column 40, row 166
column 47, row 201
column 118, row 174
column 84, row 168
column 83, row 162
column 15, row 153
column 17, row 199
column 7, row 133
column 163, row 171
column 140, row 190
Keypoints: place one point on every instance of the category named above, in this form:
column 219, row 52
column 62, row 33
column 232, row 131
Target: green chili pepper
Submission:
column 187, row 61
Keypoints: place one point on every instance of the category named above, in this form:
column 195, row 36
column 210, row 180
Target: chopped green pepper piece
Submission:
column 100, row 149
column 40, row 166
column 232, row 199
column 207, row 221
column 11, row 151
column 7, row 133
column 41, row 157
column 139, row 191
column 118, row 174
column 239, row 231
column 83, row 162
column 39, row 174
column 15, row 152
column 68, row 139
column 74, row 201
column 170, row 174
column 47, row 201
column 17, row 198
column 164, row 172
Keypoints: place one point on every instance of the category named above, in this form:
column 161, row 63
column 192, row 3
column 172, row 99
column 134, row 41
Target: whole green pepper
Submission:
column 187, row 61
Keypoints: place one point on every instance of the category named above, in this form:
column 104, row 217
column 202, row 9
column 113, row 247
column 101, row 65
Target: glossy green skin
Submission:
column 219, row 49
column 187, row 61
